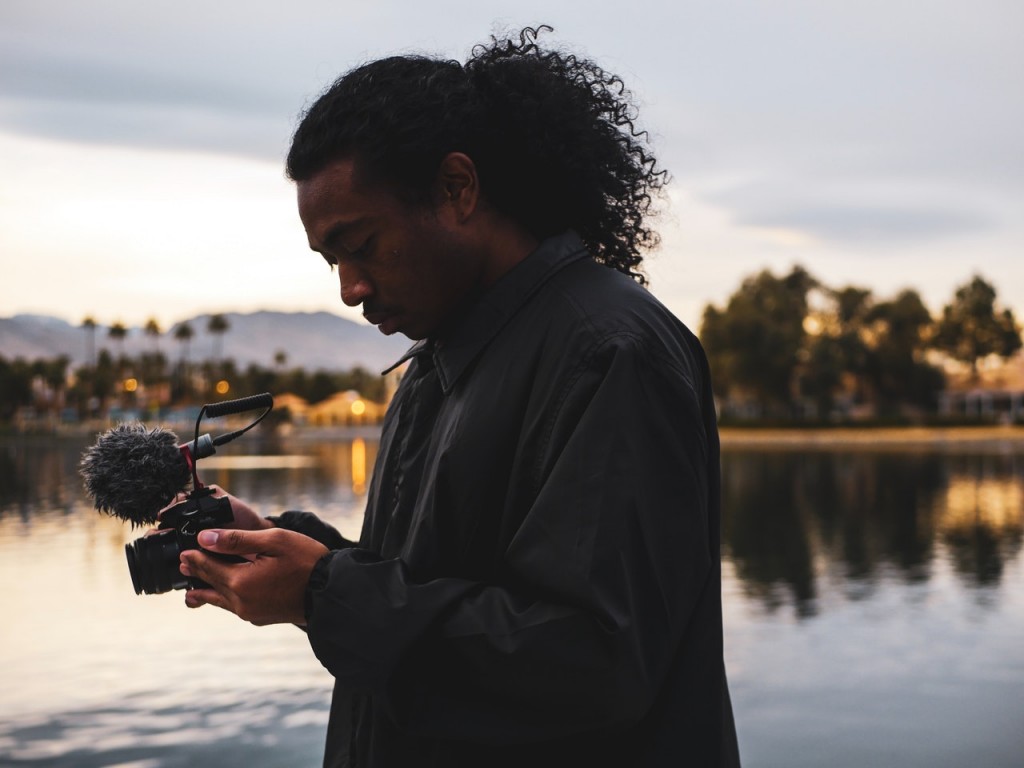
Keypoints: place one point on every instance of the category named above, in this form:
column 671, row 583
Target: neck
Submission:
column 506, row 244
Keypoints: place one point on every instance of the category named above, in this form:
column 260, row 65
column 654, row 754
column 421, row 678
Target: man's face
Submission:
column 406, row 265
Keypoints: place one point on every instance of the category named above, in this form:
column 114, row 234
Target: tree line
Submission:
column 781, row 348
column 789, row 346
column 152, row 381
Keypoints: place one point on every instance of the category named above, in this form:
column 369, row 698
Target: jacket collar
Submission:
column 454, row 352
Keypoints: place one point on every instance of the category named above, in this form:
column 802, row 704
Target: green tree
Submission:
column 152, row 367
column 118, row 332
column 900, row 332
column 754, row 344
column 183, row 334
column 837, row 348
column 104, row 376
column 15, row 386
column 55, row 374
column 973, row 328
column 89, row 324
column 153, row 330
column 369, row 385
column 217, row 326
column 321, row 385
column 182, row 387
column 256, row 379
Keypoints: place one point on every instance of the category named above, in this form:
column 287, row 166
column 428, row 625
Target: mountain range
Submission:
column 311, row 340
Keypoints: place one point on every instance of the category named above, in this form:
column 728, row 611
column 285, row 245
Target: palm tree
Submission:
column 89, row 323
column 183, row 334
column 217, row 325
column 153, row 330
column 55, row 373
column 118, row 331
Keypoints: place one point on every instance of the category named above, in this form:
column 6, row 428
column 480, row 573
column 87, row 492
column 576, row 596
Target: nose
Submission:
column 355, row 285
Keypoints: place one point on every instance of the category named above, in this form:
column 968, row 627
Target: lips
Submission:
column 376, row 317
column 386, row 322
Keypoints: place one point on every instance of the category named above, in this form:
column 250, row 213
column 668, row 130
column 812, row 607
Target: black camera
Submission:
column 132, row 472
column 153, row 560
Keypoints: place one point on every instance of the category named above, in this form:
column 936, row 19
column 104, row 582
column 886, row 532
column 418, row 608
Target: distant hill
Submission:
column 312, row 340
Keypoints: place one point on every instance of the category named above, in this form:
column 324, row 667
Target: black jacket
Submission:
column 538, row 580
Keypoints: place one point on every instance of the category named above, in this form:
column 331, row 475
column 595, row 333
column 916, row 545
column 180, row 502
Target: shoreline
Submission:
column 873, row 437
column 996, row 436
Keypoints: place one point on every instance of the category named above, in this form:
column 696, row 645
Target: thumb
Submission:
column 232, row 542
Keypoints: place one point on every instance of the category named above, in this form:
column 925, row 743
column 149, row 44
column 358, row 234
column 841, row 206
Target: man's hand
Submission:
column 268, row 588
column 245, row 517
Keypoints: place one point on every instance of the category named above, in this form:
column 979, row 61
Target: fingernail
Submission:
column 208, row 538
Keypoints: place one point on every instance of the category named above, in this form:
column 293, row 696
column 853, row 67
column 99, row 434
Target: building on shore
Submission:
column 344, row 409
column 995, row 392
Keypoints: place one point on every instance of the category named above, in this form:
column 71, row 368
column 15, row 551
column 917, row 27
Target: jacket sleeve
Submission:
column 312, row 526
column 602, row 576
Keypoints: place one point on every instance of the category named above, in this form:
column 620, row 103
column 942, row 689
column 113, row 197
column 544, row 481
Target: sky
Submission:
column 875, row 143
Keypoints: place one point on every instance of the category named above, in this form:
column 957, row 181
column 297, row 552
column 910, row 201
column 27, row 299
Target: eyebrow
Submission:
column 337, row 231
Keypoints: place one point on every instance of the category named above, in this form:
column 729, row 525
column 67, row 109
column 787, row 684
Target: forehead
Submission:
column 335, row 188
column 340, row 198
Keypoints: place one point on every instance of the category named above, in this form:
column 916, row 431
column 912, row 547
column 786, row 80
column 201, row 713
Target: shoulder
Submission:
column 591, row 312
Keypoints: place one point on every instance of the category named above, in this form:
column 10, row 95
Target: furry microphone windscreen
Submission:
column 133, row 472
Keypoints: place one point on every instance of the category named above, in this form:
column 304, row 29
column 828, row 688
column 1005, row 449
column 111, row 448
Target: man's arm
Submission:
column 312, row 526
column 598, row 583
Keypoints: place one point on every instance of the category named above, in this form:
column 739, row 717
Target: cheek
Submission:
column 436, row 273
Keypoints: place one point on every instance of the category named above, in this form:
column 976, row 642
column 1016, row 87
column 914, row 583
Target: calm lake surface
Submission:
column 874, row 614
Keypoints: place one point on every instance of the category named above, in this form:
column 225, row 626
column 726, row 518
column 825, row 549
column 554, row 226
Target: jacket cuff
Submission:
column 312, row 526
column 317, row 581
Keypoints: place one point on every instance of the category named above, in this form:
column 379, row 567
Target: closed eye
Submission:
column 357, row 254
column 363, row 250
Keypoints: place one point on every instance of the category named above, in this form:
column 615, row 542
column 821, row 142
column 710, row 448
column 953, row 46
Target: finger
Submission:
column 198, row 565
column 196, row 598
column 178, row 498
column 234, row 541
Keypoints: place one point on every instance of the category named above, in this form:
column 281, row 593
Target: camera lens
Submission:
column 153, row 563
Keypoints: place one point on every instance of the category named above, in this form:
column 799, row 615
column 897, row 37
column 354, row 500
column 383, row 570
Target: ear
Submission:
column 457, row 187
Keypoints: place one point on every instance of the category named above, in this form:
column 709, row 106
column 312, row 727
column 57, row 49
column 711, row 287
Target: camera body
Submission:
column 153, row 560
column 132, row 472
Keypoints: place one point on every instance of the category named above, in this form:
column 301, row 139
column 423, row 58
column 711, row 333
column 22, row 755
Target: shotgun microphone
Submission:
column 133, row 472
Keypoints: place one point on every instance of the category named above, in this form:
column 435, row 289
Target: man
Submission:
column 537, row 582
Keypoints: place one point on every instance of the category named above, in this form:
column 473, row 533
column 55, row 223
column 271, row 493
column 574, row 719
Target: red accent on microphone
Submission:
column 187, row 454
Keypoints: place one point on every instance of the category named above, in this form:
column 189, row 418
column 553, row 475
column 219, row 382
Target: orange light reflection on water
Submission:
column 994, row 503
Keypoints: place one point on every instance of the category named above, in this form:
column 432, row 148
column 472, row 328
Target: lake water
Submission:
column 874, row 614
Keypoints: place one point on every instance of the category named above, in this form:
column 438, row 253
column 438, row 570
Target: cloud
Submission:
column 800, row 128
column 869, row 224
column 149, row 125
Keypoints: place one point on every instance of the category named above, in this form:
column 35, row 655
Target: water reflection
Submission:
column 980, row 523
column 38, row 476
column 865, row 593
column 791, row 519
column 794, row 519
column 93, row 675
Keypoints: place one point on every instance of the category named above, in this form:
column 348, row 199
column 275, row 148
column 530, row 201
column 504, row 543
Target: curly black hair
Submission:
column 552, row 136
